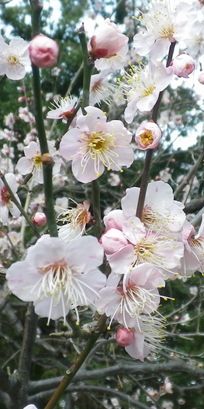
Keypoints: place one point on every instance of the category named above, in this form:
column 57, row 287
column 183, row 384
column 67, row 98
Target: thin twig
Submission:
column 149, row 154
column 47, row 168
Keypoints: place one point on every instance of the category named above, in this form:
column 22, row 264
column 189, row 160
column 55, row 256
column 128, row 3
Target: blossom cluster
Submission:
column 64, row 273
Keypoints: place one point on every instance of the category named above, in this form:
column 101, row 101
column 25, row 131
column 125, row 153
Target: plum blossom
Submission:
column 161, row 212
column 72, row 222
column 6, row 204
column 194, row 248
column 108, row 47
column 64, row 108
column 183, row 65
column 33, row 161
column 43, row 51
column 100, row 88
column 133, row 245
column 57, row 276
column 147, row 135
column 147, row 337
column 14, row 58
column 95, row 144
column 142, row 88
column 136, row 295
column 159, row 30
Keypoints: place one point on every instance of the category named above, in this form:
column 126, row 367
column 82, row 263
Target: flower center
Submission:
column 148, row 90
column 135, row 301
column 99, row 147
column 167, row 32
column 37, row 160
column 99, row 142
column 68, row 114
column 144, row 250
column 5, row 195
column 146, row 138
column 13, row 60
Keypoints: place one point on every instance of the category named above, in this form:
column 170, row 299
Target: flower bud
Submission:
column 39, row 219
column 43, row 51
column 107, row 40
column 201, row 77
column 147, row 135
column 124, row 337
column 183, row 65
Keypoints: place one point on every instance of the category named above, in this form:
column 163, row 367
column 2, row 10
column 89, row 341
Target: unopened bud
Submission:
column 183, row 65
column 107, row 40
column 39, row 219
column 148, row 135
column 43, row 51
column 124, row 337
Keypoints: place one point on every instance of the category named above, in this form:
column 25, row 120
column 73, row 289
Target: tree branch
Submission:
column 149, row 154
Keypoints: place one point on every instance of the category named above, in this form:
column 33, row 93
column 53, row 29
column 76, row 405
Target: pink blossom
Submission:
column 133, row 245
column 147, row 337
column 6, row 204
column 43, row 51
column 136, row 295
column 39, row 219
column 64, row 109
column 57, row 276
column 124, row 336
column 108, row 46
column 147, row 135
column 183, row 65
column 95, row 144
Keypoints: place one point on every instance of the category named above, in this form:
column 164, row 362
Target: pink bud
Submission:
column 43, row 51
column 39, row 219
column 183, row 65
column 147, row 135
column 124, row 336
column 201, row 77
column 107, row 40
column 113, row 240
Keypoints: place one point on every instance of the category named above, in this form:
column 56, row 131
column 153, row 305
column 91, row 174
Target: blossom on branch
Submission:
column 147, row 135
column 142, row 86
column 43, row 51
column 57, row 276
column 6, row 204
column 95, row 144
column 64, row 108
column 14, row 58
column 108, row 46
column 72, row 222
